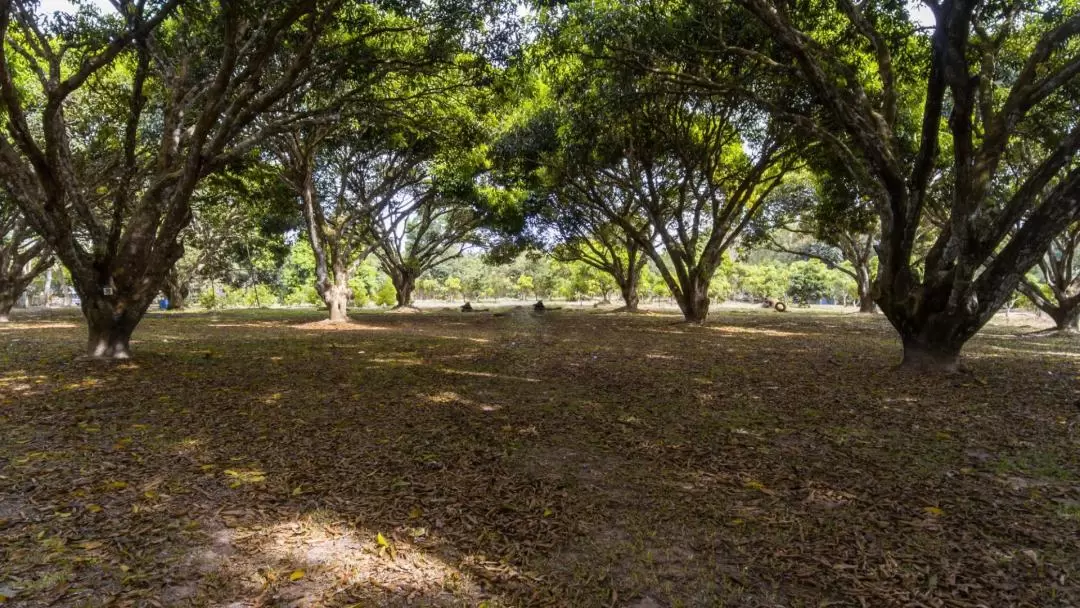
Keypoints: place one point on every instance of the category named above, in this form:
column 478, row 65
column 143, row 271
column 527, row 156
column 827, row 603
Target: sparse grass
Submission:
column 573, row 459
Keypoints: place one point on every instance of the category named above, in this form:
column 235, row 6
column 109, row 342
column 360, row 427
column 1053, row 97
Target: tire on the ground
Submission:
column 780, row 307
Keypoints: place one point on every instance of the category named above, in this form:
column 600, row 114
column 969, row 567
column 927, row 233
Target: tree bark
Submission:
column 404, row 282
column 110, row 326
column 1067, row 316
column 694, row 301
column 176, row 290
column 6, row 303
column 865, row 285
column 48, row 288
column 336, row 296
column 924, row 352
column 629, row 290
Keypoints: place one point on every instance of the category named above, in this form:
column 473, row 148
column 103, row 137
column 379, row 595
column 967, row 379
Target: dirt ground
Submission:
column 261, row 458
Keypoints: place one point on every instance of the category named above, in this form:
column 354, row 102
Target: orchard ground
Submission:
column 579, row 458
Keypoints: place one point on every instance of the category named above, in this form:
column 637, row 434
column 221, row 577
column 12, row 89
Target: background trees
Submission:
column 112, row 124
column 823, row 217
column 656, row 143
column 1057, row 291
column 23, row 256
column 991, row 69
column 349, row 183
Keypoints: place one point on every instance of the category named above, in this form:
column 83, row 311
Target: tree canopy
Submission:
column 928, row 156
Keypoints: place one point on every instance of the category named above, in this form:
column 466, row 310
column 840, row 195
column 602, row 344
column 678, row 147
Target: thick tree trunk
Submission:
column 6, row 303
column 630, row 295
column 176, row 290
column 932, row 340
column 930, row 353
column 336, row 297
column 404, row 283
column 694, row 301
column 1066, row 317
column 865, row 286
column 110, row 329
column 932, row 325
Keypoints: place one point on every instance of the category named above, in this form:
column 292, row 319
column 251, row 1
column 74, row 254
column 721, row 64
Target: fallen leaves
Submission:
column 518, row 461
column 385, row 547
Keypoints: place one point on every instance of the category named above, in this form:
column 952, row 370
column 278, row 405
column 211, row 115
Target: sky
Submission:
column 50, row 6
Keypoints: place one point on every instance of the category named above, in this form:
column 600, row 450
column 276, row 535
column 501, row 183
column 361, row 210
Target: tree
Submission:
column 591, row 238
column 681, row 171
column 239, row 215
column 23, row 256
column 1057, row 291
column 686, row 162
column 453, row 286
column 525, row 286
column 350, row 181
column 452, row 198
column 763, row 281
column 351, row 174
column 111, row 123
column 831, row 222
column 938, row 142
column 417, row 234
column 808, row 281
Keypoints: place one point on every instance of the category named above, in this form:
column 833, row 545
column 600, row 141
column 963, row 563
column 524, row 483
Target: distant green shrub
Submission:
column 306, row 295
column 386, row 295
column 248, row 297
column 209, row 300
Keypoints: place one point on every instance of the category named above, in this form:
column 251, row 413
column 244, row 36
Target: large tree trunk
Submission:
column 1062, row 308
column 867, row 305
column 629, row 292
column 694, row 301
column 6, row 303
column 336, row 296
column 1066, row 316
column 110, row 326
column 176, row 289
column 932, row 341
column 930, row 352
column 404, row 282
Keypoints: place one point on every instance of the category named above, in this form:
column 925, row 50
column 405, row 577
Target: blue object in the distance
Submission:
column 163, row 303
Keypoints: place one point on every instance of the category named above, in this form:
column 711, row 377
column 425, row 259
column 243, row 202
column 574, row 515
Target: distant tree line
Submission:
column 177, row 147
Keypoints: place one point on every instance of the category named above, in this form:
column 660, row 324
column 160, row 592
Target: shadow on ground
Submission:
column 571, row 459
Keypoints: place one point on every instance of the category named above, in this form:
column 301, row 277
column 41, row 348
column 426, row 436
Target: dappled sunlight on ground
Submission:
column 572, row 459
column 763, row 331
column 319, row 559
column 253, row 324
column 493, row 376
column 24, row 326
column 326, row 325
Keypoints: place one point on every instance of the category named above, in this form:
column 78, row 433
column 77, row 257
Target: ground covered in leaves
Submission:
column 571, row 459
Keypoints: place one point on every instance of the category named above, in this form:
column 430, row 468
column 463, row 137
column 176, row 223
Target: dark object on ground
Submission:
column 466, row 307
column 539, row 306
column 780, row 307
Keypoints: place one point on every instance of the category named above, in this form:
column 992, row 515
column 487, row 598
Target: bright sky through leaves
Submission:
column 50, row 6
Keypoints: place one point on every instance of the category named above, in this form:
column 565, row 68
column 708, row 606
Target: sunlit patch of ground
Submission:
column 13, row 327
column 774, row 333
column 568, row 459
column 334, row 327
column 318, row 559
